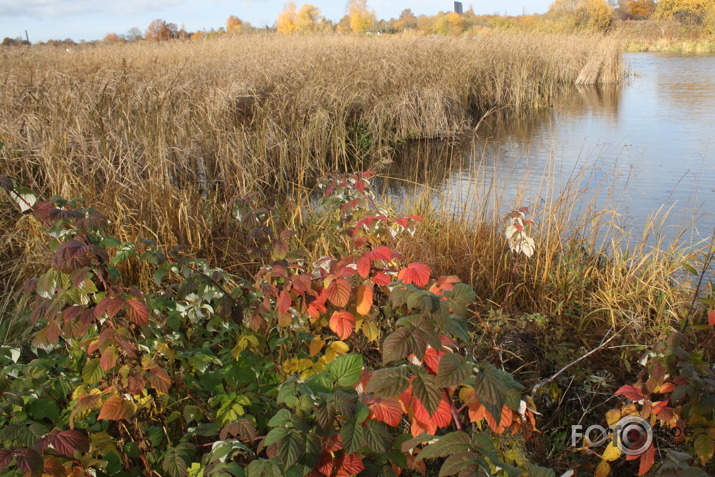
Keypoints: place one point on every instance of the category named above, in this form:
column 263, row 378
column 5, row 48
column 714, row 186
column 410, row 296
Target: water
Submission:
column 632, row 150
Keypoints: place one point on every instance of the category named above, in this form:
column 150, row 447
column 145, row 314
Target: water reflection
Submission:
column 639, row 148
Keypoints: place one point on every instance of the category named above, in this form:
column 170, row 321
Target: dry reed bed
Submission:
column 159, row 135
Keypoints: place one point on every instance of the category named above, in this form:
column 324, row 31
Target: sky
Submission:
column 92, row 19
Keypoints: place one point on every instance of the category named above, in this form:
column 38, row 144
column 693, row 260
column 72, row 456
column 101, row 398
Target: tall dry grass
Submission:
column 158, row 134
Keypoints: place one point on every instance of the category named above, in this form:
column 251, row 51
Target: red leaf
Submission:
column 381, row 279
column 345, row 271
column 333, row 443
column 283, row 302
column 325, row 465
column 659, row 406
column 301, row 284
column 363, row 267
column 339, row 292
column 388, row 411
column 631, row 392
column 351, row 465
column 417, row 273
column 29, row 460
column 110, row 306
column 342, row 323
column 66, row 442
column 137, row 312
column 116, row 409
column 359, row 242
column 647, row 460
column 711, row 317
column 5, row 458
column 380, row 253
column 364, row 299
column 360, row 185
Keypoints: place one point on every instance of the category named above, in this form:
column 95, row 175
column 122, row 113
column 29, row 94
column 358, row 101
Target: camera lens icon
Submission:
column 633, row 435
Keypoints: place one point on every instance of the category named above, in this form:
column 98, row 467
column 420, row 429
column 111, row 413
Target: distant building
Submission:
column 458, row 8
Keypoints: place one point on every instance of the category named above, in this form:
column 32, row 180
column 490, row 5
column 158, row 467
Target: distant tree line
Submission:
column 562, row 16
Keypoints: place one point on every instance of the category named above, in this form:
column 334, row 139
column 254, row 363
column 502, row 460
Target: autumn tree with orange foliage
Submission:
column 112, row 37
column 639, row 9
column 161, row 30
column 233, row 23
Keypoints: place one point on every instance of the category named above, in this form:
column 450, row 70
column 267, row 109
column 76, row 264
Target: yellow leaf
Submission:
column 602, row 470
column 613, row 416
column 611, row 453
column 466, row 393
column 164, row 349
column 370, row 330
column 295, row 365
column 335, row 349
column 316, row 344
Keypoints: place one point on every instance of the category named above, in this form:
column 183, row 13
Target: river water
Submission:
column 636, row 151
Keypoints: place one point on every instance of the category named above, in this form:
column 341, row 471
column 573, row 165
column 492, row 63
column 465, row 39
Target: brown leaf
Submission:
column 137, row 312
column 115, row 409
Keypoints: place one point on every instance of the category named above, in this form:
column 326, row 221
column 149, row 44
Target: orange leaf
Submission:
column 444, row 283
column 432, row 358
column 477, row 412
column 631, row 392
column 342, row 323
column 137, row 312
column 711, row 317
column 339, row 292
column 381, row 279
column 363, row 266
column 441, row 417
column 388, row 411
column 647, row 460
column 364, row 299
column 116, row 409
column 504, row 421
column 417, row 273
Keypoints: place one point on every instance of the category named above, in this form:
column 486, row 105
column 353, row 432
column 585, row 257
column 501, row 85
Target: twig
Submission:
column 594, row 350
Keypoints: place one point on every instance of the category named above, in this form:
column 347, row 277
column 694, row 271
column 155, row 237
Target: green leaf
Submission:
column 453, row 370
column 174, row 464
column 291, row 448
column 346, row 369
column 343, row 403
column 275, row 435
column 92, row 372
column 353, row 436
column 538, row 471
column 192, row 413
column 425, row 389
column 424, row 301
column 44, row 409
column 389, row 382
column 448, row 444
column 396, row 346
column 460, row 461
column 377, row 437
column 282, row 418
